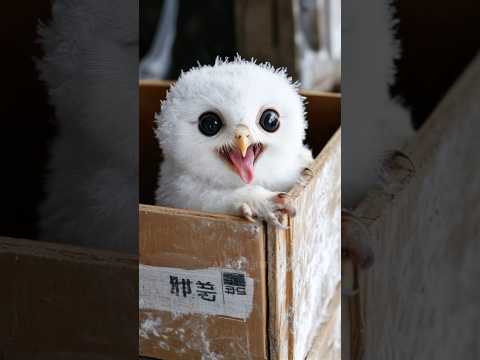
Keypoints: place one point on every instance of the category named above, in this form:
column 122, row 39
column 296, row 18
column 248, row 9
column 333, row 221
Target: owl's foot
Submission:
column 247, row 212
column 355, row 236
column 284, row 205
column 270, row 209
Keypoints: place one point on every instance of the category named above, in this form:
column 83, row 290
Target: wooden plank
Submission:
column 265, row 31
column 193, row 240
column 322, row 348
column 61, row 302
column 323, row 113
column 151, row 93
column 316, row 251
column 278, row 288
column 304, row 261
column 426, row 241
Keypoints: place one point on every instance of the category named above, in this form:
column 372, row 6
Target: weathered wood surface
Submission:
column 323, row 348
column 304, row 265
column 279, row 294
column 313, row 252
column 195, row 240
column 65, row 302
column 420, row 299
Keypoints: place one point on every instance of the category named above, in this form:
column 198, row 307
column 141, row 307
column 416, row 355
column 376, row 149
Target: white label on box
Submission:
column 212, row 291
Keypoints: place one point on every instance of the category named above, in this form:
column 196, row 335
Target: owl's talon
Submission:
column 290, row 210
column 268, row 206
column 282, row 195
column 355, row 236
column 249, row 218
column 247, row 212
column 282, row 200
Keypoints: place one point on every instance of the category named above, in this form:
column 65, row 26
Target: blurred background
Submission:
column 304, row 36
column 27, row 124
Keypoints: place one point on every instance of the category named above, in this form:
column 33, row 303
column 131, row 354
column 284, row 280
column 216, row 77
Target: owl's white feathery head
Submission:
column 239, row 150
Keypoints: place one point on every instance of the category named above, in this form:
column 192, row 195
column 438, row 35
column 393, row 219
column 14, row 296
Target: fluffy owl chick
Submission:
column 232, row 140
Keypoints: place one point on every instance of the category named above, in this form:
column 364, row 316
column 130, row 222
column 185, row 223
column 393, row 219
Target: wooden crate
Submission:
column 420, row 298
column 66, row 302
column 292, row 305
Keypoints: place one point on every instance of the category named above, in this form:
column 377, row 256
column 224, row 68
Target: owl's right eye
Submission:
column 209, row 124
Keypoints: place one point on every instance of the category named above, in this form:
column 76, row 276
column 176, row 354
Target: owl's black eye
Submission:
column 269, row 120
column 209, row 124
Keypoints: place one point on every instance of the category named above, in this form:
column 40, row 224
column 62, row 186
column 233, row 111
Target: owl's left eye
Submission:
column 269, row 120
column 209, row 124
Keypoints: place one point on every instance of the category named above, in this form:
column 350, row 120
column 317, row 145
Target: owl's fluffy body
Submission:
column 192, row 174
column 373, row 123
column 92, row 181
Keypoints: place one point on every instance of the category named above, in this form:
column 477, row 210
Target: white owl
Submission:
column 232, row 140
column 89, row 68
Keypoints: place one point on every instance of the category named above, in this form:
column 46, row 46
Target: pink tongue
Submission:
column 243, row 165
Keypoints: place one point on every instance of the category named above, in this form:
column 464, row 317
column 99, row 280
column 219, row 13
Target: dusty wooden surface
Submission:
column 192, row 240
column 420, row 299
column 322, row 344
column 313, row 253
column 304, row 266
column 64, row 302
column 279, row 294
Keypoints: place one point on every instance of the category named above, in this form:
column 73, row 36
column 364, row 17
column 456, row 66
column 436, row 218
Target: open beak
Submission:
column 242, row 134
column 242, row 154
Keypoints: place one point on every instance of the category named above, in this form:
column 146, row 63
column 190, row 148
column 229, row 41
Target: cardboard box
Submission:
column 285, row 282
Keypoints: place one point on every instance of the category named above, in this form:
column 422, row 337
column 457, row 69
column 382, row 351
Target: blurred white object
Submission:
column 373, row 123
column 90, row 69
column 157, row 61
column 318, row 43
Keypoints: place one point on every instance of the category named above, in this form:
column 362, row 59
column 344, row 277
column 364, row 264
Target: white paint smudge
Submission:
column 239, row 264
column 149, row 327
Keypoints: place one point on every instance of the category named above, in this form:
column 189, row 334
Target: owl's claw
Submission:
column 355, row 236
column 270, row 210
column 247, row 212
column 284, row 206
